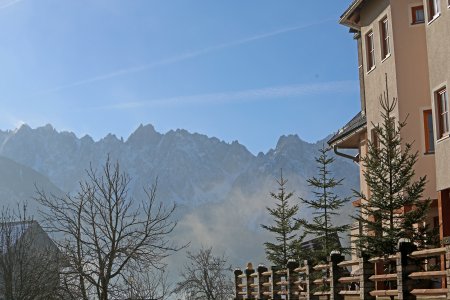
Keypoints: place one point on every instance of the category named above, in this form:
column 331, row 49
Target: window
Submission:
column 385, row 42
column 370, row 51
column 433, row 9
column 428, row 128
column 375, row 139
column 418, row 15
column 442, row 112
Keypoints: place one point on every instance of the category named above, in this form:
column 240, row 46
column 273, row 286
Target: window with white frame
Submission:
column 442, row 112
column 370, row 48
column 385, row 40
column 434, row 8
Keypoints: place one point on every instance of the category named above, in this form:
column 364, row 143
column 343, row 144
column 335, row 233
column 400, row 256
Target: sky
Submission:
column 248, row 70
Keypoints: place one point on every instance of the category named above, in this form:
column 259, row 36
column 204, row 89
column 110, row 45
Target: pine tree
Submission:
column 285, row 228
column 395, row 205
column 325, row 205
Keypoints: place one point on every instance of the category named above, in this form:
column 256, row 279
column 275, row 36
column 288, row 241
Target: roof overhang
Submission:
column 350, row 17
column 351, row 140
column 349, row 136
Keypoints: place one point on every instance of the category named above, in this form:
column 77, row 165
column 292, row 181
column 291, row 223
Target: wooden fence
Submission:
column 409, row 274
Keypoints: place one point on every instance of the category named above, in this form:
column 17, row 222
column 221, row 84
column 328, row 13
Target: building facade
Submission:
column 404, row 49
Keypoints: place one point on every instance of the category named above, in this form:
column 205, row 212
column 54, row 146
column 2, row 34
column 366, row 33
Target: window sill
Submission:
column 443, row 137
column 429, row 153
column 434, row 18
column 386, row 57
column 418, row 23
column 371, row 70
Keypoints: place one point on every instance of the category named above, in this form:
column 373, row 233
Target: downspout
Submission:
column 354, row 158
column 362, row 87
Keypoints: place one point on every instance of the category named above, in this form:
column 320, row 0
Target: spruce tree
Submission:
column 325, row 205
column 394, row 208
column 285, row 228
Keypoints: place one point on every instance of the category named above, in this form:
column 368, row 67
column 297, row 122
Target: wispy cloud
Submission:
column 286, row 91
column 7, row 3
column 182, row 57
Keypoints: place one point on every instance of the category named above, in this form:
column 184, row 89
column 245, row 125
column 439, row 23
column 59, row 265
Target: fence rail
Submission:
column 409, row 274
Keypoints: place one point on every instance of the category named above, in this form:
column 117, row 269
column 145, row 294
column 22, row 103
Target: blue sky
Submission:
column 238, row 70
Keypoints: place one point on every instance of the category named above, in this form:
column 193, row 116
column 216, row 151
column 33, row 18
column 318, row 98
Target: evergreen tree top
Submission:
column 394, row 203
column 325, row 204
column 285, row 227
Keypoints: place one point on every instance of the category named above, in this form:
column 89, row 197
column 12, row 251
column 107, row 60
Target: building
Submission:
column 316, row 244
column 404, row 47
column 29, row 262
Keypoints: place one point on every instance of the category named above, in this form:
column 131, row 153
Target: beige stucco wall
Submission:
column 438, row 47
column 407, row 73
column 411, row 60
column 374, row 80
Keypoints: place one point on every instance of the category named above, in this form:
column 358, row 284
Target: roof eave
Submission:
column 343, row 141
column 346, row 16
column 350, row 24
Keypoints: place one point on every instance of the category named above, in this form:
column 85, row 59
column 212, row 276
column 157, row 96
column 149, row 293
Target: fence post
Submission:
column 248, row 280
column 366, row 270
column 335, row 274
column 261, row 269
column 237, row 282
column 309, row 281
column 290, row 278
column 275, row 278
column 404, row 268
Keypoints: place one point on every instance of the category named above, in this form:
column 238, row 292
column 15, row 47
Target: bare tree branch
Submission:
column 205, row 276
column 105, row 230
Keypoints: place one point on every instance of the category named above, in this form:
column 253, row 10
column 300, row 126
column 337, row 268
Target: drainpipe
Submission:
column 362, row 87
column 354, row 158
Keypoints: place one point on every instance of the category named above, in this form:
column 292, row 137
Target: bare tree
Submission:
column 205, row 276
column 104, row 231
column 28, row 258
column 151, row 284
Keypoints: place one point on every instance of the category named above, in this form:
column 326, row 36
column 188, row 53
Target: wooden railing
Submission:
column 433, row 270
column 409, row 274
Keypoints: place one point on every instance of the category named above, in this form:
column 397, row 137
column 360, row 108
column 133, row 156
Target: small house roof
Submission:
column 12, row 232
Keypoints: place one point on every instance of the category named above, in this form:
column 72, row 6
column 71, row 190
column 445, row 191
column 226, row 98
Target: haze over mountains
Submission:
column 221, row 188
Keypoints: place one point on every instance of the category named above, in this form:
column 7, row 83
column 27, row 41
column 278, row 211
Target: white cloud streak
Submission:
column 7, row 3
column 181, row 57
column 286, row 91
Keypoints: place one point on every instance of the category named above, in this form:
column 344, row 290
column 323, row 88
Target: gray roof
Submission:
column 11, row 232
column 317, row 243
column 354, row 124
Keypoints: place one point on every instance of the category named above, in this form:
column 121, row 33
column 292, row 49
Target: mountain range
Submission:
column 222, row 189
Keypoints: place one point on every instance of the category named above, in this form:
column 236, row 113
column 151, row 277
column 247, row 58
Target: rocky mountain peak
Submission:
column 144, row 135
column 193, row 168
column 48, row 128
column 291, row 140
column 23, row 129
